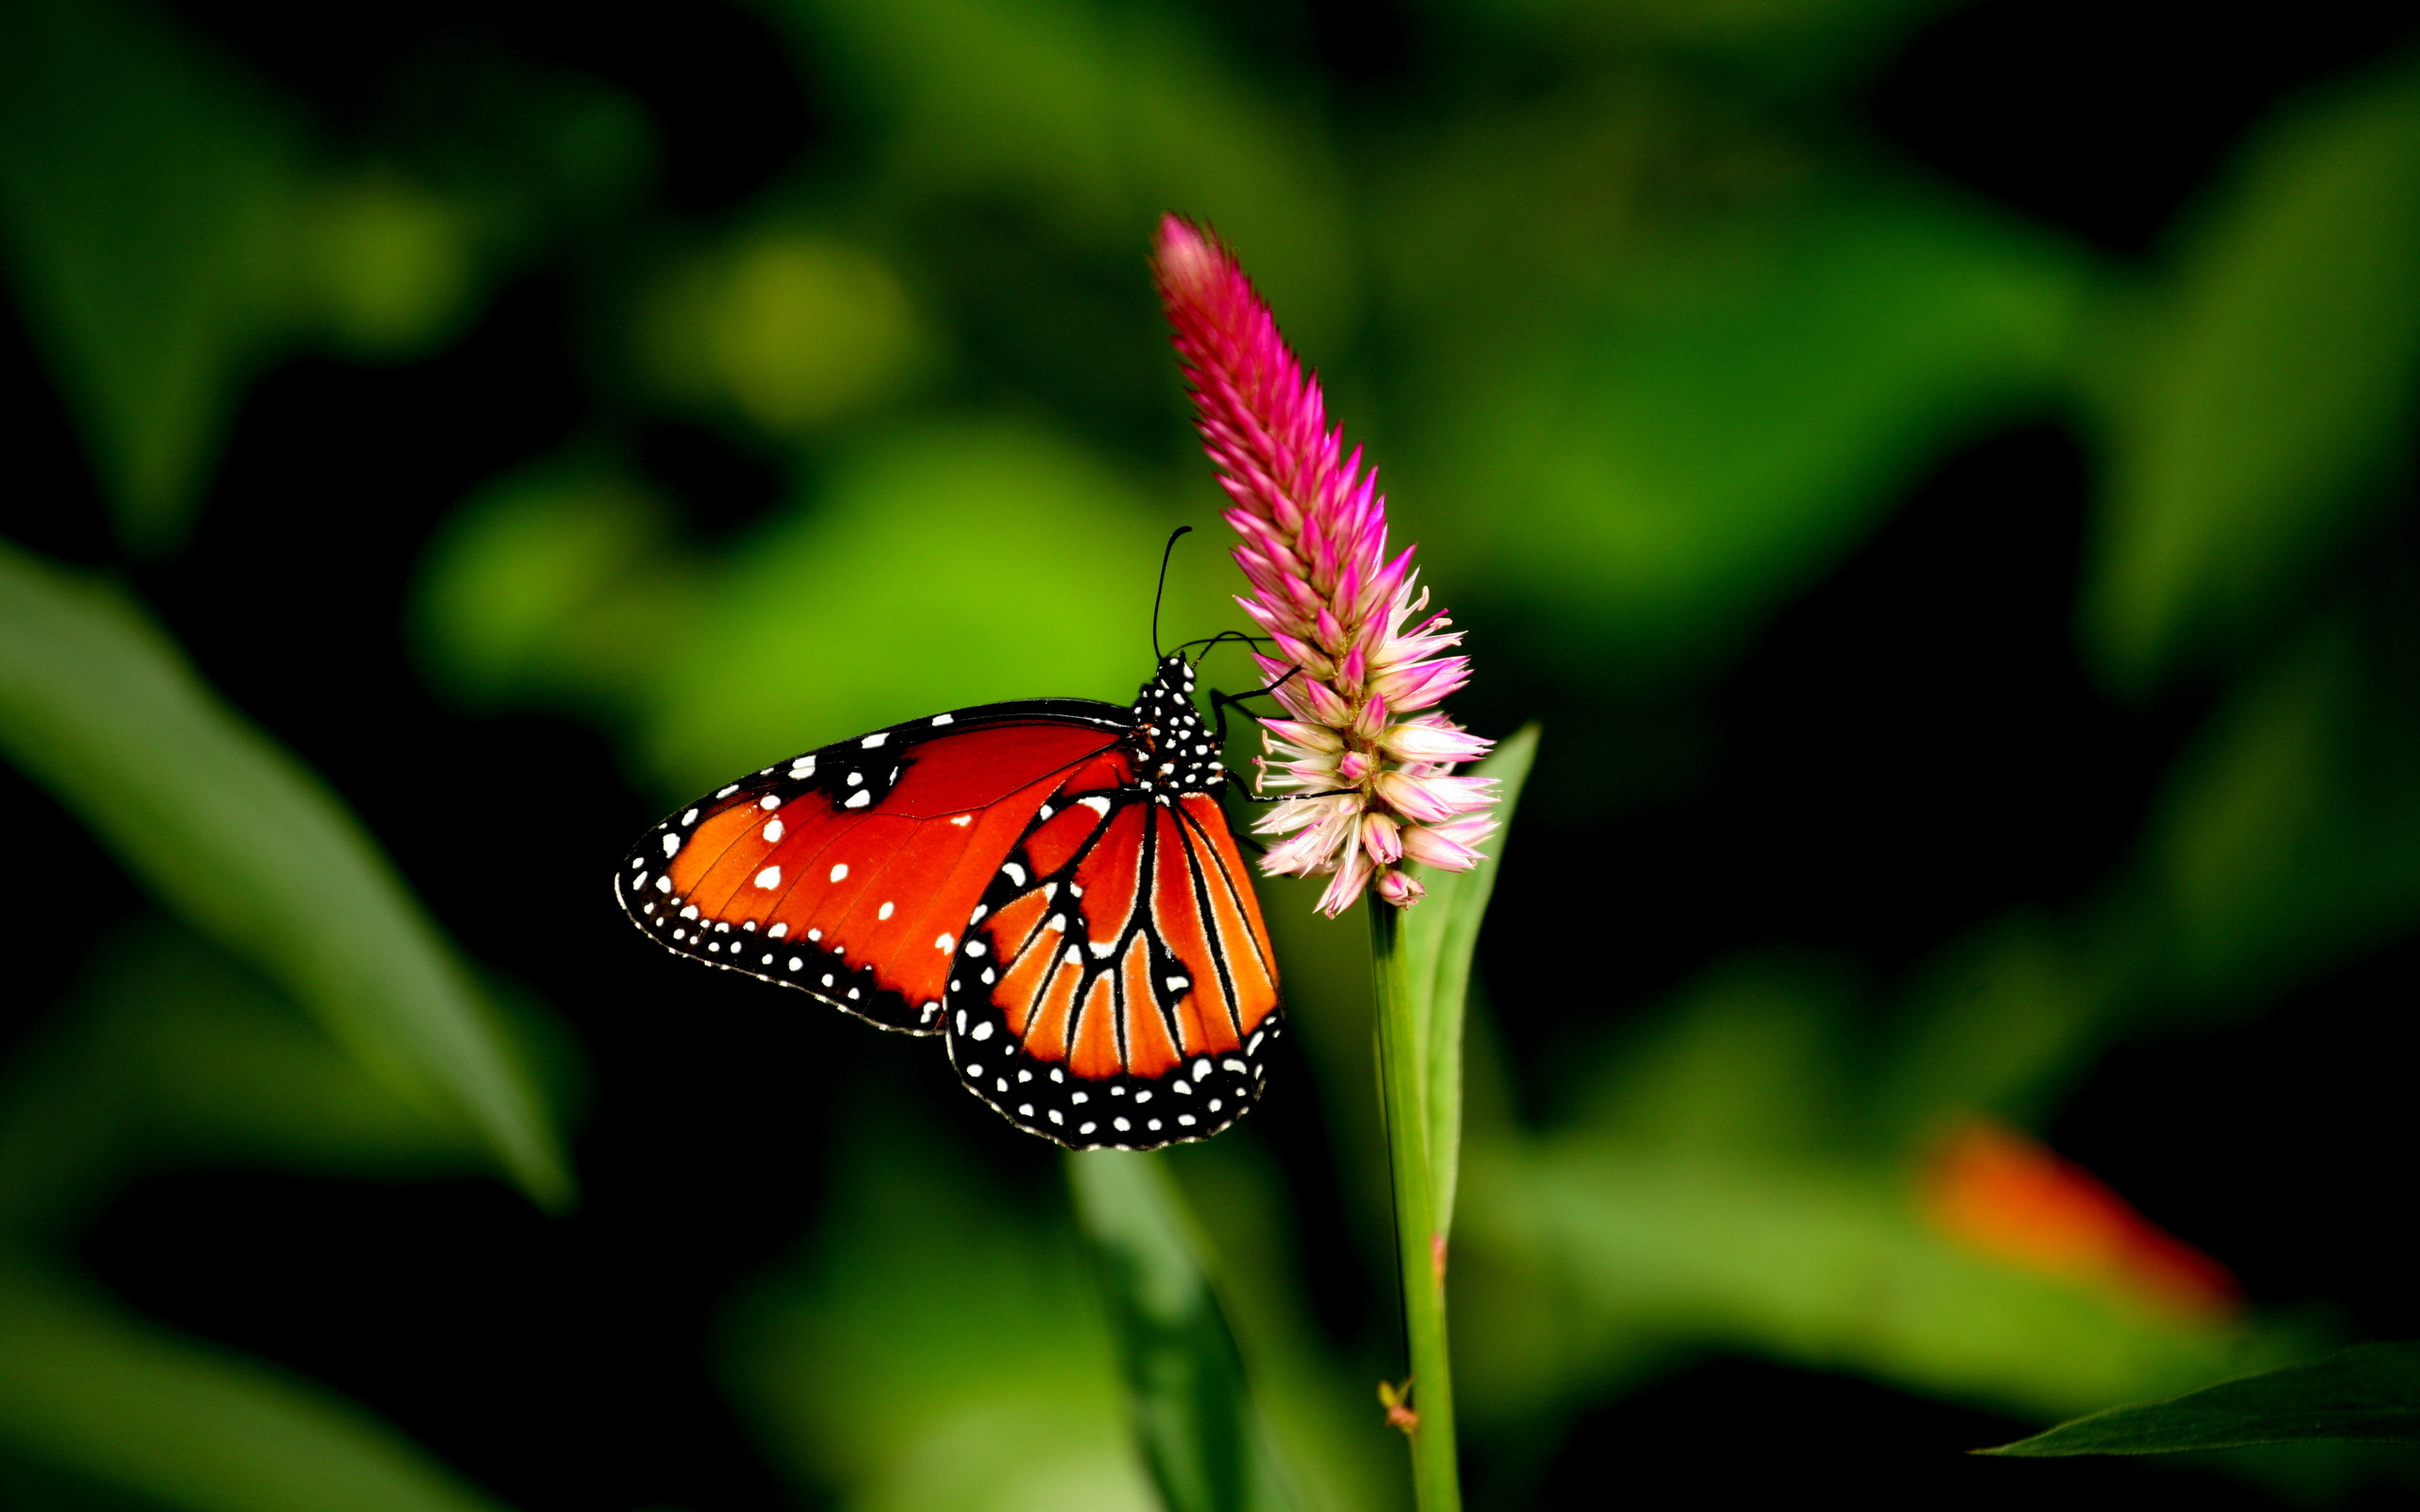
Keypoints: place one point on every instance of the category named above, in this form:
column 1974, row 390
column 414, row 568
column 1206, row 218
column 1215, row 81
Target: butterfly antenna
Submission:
column 1160, row 591
column 1211, row 643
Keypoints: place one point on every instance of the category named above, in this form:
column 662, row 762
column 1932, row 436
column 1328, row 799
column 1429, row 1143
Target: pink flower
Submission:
column 1366, row 773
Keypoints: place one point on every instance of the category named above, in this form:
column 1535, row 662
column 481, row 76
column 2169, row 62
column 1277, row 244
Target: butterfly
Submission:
column 1049, row 885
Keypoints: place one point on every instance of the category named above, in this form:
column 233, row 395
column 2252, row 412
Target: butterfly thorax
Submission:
column 1173, row 748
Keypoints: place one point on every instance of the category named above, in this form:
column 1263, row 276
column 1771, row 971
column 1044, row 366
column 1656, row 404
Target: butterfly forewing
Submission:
column 850, row 872
column 1116, row 987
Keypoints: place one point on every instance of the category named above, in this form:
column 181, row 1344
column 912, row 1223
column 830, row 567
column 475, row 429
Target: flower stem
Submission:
column 1419, row 1248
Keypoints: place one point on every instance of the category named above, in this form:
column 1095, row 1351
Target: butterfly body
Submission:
column 1049, row 885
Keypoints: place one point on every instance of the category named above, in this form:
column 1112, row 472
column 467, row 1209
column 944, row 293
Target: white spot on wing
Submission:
column 946, row 944
column 773, row 832
column 671, row 845
column 769, row 877
column 1096, row 804
column 1015, row 873
column 768, row 801
column 940, row 720
column 983, row 1030
column 858, row 800
column 839, row 872
column 724, row 793
column 963, row 820
column 886, row 910
column 874, row 739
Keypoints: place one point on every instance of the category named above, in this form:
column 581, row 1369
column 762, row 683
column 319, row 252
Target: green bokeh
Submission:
column 1651, row 333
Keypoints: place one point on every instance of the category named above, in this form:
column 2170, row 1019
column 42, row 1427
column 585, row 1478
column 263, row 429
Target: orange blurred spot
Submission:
column 2003, row 1195
column 1398, row 1401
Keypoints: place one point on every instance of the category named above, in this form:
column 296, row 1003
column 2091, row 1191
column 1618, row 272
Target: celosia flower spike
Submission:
column 1364, row 762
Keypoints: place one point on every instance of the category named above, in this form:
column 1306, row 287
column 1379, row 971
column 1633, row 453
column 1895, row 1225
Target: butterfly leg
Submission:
column 1221, row 702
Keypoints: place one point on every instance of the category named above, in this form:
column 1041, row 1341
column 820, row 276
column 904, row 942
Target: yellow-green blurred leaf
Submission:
column 789, row 329
column 150, row 206
column 947, row 566
column 557, row 585
column 392, row 263
column 90, row 1390
column 2277, row 392
column 938, row 1352
column 1583, row 1255
column 236, row 836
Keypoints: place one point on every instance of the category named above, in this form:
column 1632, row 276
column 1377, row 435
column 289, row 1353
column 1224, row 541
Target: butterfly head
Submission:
column 1173, row 746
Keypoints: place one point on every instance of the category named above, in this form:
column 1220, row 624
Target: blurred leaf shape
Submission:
column 2289, row 837
column 2003, row 1194
column 1999, row 1019
column 1094, row 118
column 150, row 195
column 2369, row 1393
column 950, row 565
column 1192, row 1408
column 169, row 1055
column 2275, row 395
column 560, row 584
column 1439, row 937
column 937, row 1351
column 391, row 265
column 790, row 329
column 98, row 706
column 90, row 1390
column 168, row 236
column 1713, row 1196
column 1664, row 459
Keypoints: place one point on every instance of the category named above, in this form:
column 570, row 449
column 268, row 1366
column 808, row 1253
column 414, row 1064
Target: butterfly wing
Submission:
column 1117, row 988
column 850, row 872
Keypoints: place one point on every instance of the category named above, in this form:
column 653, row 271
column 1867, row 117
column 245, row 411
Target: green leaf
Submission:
column 86, row 1389
column 2277, row 396
column 2369, row 1393
column 245, row 842
column 1184, row 1380
column 1030, row 564
column 168, row 1055
column 1439, row 936
column 1652, row 454
column 151, row 204
column 938, row 1347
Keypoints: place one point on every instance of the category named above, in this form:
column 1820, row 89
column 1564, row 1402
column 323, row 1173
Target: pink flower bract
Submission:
column 1364, row 760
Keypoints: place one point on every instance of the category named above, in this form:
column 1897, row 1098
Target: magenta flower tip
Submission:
column 1366, row 773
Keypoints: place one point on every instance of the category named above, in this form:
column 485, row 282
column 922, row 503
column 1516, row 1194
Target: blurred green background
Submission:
column 1940, row 472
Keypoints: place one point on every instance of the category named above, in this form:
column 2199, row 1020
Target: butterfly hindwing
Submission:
column 1116, row 987
column 848, row 871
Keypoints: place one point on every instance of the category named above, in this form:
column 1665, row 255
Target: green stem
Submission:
column 1402, row 1048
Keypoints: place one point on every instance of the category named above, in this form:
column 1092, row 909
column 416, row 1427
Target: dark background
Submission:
column 1907, row 739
